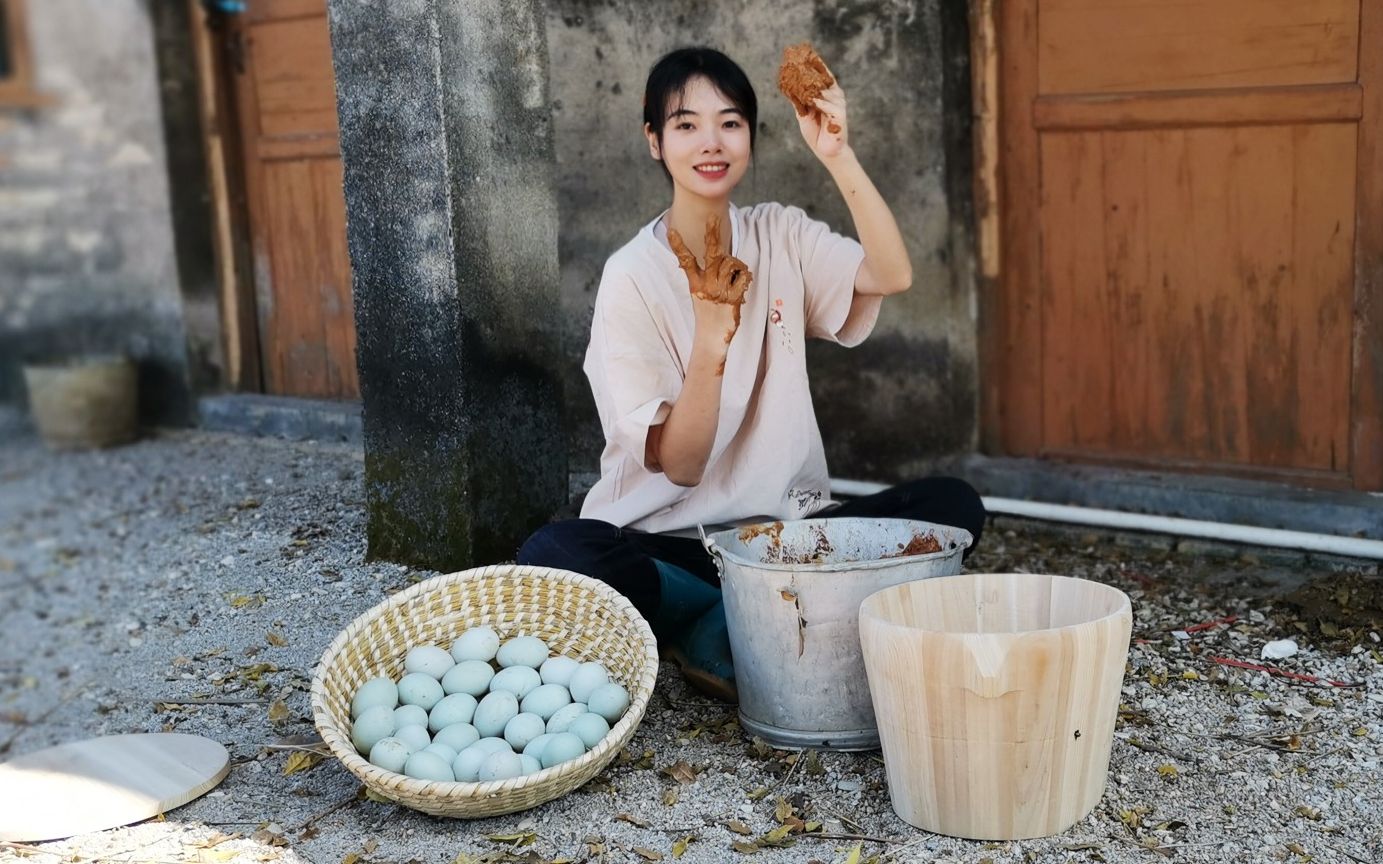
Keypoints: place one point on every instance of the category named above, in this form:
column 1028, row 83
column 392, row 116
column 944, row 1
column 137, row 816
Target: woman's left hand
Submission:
column 826, row 130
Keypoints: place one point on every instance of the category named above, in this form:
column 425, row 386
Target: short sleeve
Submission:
column 830, row 263
column 633, row 373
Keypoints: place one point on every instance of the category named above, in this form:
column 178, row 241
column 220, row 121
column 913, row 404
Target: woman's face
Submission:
column 705, row 142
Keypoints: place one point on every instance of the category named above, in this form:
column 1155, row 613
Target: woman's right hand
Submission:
column 717, row 290
column 681, row 447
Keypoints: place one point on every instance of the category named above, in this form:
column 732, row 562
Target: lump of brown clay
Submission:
column 724, row 279
column 803, row 76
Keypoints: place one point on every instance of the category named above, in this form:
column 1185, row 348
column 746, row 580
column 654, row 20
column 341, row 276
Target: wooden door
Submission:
column 280, row 56
column 1192, row 236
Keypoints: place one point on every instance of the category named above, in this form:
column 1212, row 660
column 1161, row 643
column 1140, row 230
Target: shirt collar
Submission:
column 660, row 236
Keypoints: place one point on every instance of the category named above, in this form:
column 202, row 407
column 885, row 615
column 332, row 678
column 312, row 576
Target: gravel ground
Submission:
column 191, row 566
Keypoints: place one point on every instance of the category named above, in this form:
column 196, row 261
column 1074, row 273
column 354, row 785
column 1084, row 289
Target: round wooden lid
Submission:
column 104, row 783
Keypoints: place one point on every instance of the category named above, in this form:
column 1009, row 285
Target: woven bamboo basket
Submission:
column 576, row 615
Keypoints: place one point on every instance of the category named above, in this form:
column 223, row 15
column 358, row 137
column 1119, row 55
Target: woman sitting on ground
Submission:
column 698, row 367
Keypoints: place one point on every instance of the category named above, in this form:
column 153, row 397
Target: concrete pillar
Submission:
column 451, row 199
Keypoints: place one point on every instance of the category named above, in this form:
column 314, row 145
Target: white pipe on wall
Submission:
column 1332, row 544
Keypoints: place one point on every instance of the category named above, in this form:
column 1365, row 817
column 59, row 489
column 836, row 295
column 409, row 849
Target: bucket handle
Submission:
column 710, row 548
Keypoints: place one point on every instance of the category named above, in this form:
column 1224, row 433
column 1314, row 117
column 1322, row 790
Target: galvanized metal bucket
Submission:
column 792, row 600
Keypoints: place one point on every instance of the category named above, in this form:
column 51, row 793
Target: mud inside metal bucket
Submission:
column 792, row 597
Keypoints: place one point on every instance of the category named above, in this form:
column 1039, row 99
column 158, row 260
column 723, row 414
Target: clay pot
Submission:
column 84, row 402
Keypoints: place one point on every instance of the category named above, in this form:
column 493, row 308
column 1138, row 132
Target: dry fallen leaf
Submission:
column 1133, row 817
column 275, row 639
column 215, row 840
column 854, row 856
column 745, row 848
column 739, row 827
column 1168, row 770
column 780, row 836
column 278, row 711
column 242, row 601
column 648, row 854
column 1306, row 811
column 670, row 796
column 679, row 846
column 681, row 771
column 782, row 812
column 252, row 674
column 632, row 820
column 269, row 837
column 301, row 760
column 525, row 838
column 759, row 793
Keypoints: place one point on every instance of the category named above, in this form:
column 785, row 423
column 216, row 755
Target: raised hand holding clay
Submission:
column 725, row 279
column 816, row 95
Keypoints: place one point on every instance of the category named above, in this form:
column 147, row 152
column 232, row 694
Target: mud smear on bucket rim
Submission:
column 923, row 543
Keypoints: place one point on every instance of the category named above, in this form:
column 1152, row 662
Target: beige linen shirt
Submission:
column 767, row 459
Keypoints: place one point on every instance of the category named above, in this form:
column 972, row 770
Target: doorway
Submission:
column 1191, row 235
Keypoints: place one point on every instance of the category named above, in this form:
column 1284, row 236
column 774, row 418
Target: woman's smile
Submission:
column 713, row 170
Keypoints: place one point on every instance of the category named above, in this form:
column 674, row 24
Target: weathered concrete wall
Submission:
column 452, row 224
column 87, row 258
column 908, row 394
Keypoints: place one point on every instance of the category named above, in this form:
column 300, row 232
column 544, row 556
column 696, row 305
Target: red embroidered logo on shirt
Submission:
column 776, row 319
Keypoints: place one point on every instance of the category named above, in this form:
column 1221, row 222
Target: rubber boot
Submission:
column 682, row 598
column 703, row 652
column 691, row 628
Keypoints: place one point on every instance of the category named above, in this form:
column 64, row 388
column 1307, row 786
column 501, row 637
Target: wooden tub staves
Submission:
column 995, row 697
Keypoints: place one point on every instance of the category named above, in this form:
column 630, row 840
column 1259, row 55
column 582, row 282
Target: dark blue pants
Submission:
column 623, row 557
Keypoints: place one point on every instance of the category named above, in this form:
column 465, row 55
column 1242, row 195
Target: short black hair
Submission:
column 668, row 78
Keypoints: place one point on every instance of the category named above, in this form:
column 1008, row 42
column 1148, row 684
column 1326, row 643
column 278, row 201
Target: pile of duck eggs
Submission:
column 455, row 716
